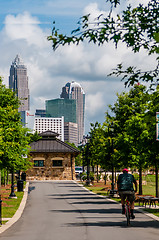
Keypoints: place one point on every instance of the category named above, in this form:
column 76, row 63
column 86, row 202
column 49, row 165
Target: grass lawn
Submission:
column 9, row 206
column 153, row 211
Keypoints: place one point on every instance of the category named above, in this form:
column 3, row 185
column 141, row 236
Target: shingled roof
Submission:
column 49, row 143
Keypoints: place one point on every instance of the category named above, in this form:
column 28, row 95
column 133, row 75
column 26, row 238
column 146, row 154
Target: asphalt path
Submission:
column 63, row 210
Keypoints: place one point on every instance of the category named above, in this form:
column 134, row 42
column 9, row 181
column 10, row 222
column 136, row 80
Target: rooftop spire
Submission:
column 18, row 61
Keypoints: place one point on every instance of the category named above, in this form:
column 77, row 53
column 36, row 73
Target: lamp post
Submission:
column 112, row 151
column 88, row 161
column 112, row 169
column 12, row 194
column 88, row 164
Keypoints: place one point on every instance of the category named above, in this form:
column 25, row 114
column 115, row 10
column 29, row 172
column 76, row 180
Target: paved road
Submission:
column 62, row 210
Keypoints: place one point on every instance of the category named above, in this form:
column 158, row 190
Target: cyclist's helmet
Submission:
column 125, row 170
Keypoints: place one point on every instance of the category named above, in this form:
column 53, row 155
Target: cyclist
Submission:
column 125, row 188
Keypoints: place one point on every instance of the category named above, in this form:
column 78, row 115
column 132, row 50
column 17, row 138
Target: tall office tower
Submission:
column 61, row 107
column 18, row 82
column 75, row 91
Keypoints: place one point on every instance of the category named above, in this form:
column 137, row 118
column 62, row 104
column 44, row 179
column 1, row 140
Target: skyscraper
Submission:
column 18, row 82
column 61, row 107
column 67, row 108
column 75, row 91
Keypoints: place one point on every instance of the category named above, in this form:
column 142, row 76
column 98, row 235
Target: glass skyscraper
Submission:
column 61, row 107
column 18, row 82
column 75, row 91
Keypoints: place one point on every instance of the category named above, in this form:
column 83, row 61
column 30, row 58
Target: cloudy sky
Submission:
column 24, row 27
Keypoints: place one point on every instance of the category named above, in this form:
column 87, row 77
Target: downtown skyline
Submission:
column 24, row 29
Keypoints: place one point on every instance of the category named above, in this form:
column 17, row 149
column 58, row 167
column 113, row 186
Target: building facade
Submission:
column 71, row 132
column 18, row 82
column 42, row 124
column 61, row 107
column 75, row 91
column 52, row 159
column 40, row 113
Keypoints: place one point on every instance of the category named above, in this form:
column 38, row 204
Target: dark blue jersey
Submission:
column 125, row 182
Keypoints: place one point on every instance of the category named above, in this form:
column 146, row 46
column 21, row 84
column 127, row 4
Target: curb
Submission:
column 18, row 213
column 139, row 209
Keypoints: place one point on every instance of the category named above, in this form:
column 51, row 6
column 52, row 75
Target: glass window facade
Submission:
column 62, row 107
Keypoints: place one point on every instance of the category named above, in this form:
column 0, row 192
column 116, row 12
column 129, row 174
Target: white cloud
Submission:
column 24, row 27
column 49, row 71
column 94, row 103
column 93, row 9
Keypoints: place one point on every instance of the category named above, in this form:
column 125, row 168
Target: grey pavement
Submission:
column 64, row 210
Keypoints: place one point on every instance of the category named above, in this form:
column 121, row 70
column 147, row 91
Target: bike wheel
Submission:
column 127, row 216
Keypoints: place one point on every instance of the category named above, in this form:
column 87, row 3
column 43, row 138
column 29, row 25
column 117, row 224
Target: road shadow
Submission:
column 83, row 211
column 68, row 195
column 109, row 220
column 122, row 223
column 78, row 198
column 93, row 202
column 30, row 188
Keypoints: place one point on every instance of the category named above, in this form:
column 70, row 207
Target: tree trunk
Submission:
column 7, row 178
column 115, row 178
column 83, row 166
column 97, row 173
column 140, row 181
column 105, row 180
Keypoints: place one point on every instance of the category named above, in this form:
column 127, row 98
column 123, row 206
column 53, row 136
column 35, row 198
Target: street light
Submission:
column 87, row 160
column 111, row 126
column 12, row 194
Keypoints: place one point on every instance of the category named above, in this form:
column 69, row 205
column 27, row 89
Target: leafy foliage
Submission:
column 33, row 137
column 137, row 27
column 13, row 140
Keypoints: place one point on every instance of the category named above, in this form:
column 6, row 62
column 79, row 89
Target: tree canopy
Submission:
column 13, row 140
column 137, row 27
column 131, row 140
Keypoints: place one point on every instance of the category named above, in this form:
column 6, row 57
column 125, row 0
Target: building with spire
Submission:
column 18, row 82
column 75, row 91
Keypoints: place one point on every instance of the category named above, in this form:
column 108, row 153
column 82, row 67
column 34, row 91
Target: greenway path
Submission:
column 63, row 210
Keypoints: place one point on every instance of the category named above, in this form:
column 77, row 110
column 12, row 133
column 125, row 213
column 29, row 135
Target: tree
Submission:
column 33, row 137
column 136, row 27
column 153, row 143
column 13, row 140
column 95, row 146
column 132, row 135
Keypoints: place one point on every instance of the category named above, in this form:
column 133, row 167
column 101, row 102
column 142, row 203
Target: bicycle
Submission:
column 127, row 212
